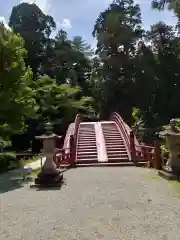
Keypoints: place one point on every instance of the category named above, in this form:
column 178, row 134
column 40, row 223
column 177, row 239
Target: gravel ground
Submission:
column 95, row 203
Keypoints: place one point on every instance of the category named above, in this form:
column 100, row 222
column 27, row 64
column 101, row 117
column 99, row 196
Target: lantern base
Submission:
column 48, row 179
column 169, row 174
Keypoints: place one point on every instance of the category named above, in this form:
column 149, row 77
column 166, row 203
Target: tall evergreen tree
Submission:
column 117, row 30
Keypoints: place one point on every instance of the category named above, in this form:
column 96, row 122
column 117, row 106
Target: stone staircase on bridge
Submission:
column 114, row 143
column 100, row 142
column 86, row 145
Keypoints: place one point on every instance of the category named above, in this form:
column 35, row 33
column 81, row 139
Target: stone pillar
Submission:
column 173, row 141
column 49, row 174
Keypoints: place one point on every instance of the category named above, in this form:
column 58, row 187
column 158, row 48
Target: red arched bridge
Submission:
column 109, row 142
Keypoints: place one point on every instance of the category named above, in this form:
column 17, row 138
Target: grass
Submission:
column 18, row 164
column 31, row 160
column 152, row 175
column 35, row 172
column 173, row 186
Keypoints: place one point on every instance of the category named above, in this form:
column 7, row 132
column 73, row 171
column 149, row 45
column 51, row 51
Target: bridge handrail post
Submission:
column 76, row 129
column 71, row 148
column 132, row 147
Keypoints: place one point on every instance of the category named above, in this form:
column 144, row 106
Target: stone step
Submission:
column 87, row 129
column 111, row 131
column 118, row 159
column 84, row 151
column 87, row 161
column 115, row 146
column 108, row 164
column 87, row 153
column 87, row 138
column 85, row 158
column 116, row 151
column 113, row 138
column 119, row 156
column 86, row 141
column 118, row 147
column 113, row 135
column 86, row 147
column 85, row 134
column 114, row 141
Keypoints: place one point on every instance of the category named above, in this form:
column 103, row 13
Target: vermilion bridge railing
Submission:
column 138, row 152
column 67, row 156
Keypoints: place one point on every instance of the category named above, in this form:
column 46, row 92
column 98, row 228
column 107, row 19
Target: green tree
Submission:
column 157, row 82
column 146, row 82
column 35, row 27
column 67, row 61
column 117, row 30
column 80, row 45
column 59, row 103
column 166, row 47
column 171, row 4
column 95, row 84
column 16, row 95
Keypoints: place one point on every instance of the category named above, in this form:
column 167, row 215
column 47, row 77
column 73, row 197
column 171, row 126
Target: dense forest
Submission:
column 133, row 71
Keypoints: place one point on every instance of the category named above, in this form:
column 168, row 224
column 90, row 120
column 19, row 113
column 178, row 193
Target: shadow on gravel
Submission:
column 11, row 181
column 49, row 188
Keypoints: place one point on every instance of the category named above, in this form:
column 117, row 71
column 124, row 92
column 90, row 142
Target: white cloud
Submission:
column 3, row 20
column 42, row 4
column 65, row 24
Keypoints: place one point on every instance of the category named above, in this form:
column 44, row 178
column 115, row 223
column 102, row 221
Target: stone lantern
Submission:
column 49, row 174
column 173, row 142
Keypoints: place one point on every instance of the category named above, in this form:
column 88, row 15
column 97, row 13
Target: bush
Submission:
column 6, row 160
column 4, row 144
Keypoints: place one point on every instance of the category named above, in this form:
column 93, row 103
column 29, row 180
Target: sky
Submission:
column 77, row 17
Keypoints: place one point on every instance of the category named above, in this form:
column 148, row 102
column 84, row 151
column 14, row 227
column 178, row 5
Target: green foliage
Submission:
column 16, row 95
column 4, row 144
column 81, row 46
column 59, row 103
column 117, row 30
column 134, row 72
column 35, row 27
column 172, row 5
column 136, row 115
column 6, row 161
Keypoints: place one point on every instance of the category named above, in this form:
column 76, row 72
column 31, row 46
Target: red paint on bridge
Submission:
column 104, row 142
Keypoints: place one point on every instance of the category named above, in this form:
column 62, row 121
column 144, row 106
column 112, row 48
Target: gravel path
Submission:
column 95, row 203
